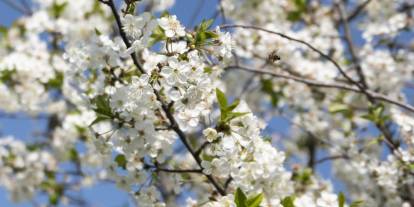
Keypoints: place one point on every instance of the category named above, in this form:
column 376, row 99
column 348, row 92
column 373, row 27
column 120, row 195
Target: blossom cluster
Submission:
column 142, row 106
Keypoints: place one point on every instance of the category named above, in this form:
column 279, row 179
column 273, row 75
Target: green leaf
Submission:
column 255, row 200
column 102, row 105
column 205, row 25
column 300, row 5
column 6, row 75
column 221, row 98
column 131, row 8
column 356, row 203
column 157, row 35
column 232, row 115
column 240, row 198
column 165, row 14
column 267, row 87
column 73, row 154
column 208, row 70
column 97, row 32
column 294, row 16
column 100, row 118
column 288, row 202
column 3, row 31
column 57, row 9
column 207, row 157
column 341, row 200
column 376, row 114
column 233, row 105
column 211, row 35
column 53, row 199
column 121, row 161
column 337, row 108
column 300, row 8
column 57, row 82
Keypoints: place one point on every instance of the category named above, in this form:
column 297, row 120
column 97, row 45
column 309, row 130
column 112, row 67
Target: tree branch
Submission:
column 315, row 83
column 350, row 44
column 164, row 106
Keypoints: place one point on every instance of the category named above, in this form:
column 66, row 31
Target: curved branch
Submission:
column 327, row 57
column 164, row 106
column 315, row 83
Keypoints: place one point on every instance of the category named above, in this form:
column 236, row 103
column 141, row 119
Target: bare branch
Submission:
column 357, row 10
column 164, row 106
column 315, row 83
column 333, row 157
column 327, row 57
column 350, row 44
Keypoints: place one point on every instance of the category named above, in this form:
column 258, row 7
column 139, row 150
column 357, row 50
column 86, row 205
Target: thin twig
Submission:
column 351, row 45
column 315, row 83
column 357, row 10
column 333, row 157
column 327, row 57
column 164, row 106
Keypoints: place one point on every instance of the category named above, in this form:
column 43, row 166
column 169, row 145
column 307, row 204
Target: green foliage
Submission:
column 255, row 201
column 300, row 8
column 57, row 9
column 242, row 200
column 157, row 35
column 102, row 109
column 288, row 202
column 376, row 114
column 73, row 154
column 208, row 70
column 356, row 204
column 56, row 82
column 97, row 32
column 226, row 110
column 6, row 76
column 3, row 31
column 341, row 200
column 130, row 6
column 203, row 34
column 121, row 161
column 267, row 87
column 303, row 176
column 54, row 189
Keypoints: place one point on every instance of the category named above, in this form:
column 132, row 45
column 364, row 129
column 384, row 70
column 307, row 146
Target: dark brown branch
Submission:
column 315, row 83
column 357, row 10
column 351, row 45
column 327, row 57
column 333, row 157
column 159, row 169
column 122, row 33
column 164, row 106
column 201, row 148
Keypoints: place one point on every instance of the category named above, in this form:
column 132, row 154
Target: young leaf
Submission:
column 221, row 98
column 121, row 161
column 240, row 198
column 205, row 25
column 99, row 118
column 356, row 204
column 255, row 200
column 102, row 105
column 288, row 202
column 232, row 115
column 341, row 200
